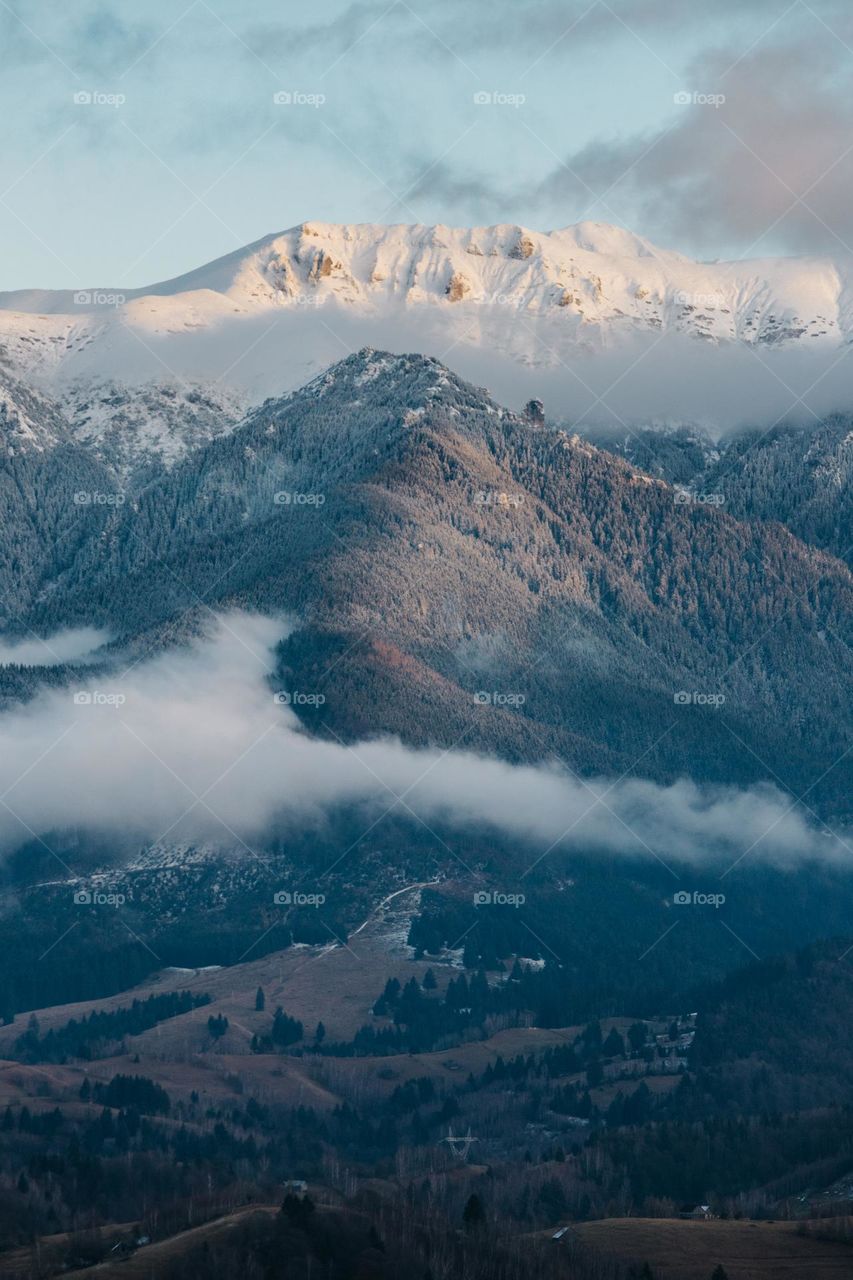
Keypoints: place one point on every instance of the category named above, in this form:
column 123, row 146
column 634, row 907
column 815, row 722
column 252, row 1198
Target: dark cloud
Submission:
column 769, row 167
column 399, row 80
column 475, row 195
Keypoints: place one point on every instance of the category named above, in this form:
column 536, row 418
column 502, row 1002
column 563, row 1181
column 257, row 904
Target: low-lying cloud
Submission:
column 74, row 645
column 640, row 379
column 193, row 745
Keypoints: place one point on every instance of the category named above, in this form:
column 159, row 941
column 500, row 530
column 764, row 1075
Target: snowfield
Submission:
column 146, row 374
column 599, row 279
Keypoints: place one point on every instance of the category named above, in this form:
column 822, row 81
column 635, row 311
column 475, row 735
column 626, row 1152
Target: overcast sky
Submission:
column 182, row 154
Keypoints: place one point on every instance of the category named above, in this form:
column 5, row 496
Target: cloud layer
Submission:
column 193, row 746
column 601, row 134
column 638, row 380
column 74, row 645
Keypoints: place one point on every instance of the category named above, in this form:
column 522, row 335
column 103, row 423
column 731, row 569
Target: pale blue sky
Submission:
column 199, row 159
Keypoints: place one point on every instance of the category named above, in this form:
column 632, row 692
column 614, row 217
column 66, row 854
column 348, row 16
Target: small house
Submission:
column 699, row 1213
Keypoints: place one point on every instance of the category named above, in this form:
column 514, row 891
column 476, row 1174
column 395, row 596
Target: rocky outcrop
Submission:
column 524, row 248
column 457, row 287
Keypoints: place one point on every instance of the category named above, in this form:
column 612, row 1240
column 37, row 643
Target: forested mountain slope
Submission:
column 434, row 546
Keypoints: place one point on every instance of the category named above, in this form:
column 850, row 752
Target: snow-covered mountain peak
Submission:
column 268, row 316
column 600, row 275
column 373, row 264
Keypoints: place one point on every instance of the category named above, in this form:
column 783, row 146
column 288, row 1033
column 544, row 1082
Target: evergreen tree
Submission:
column 592, row 1035
column 614, row 1045
column 298, row 1210
column 217, row 1026
column 375, row 1239
column 594, row 1073
column 473, row 1215
column 285, row 1030
column 637, row 1034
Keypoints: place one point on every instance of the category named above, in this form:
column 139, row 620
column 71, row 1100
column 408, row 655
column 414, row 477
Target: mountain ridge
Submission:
column 433, row 544
column 592, row 284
